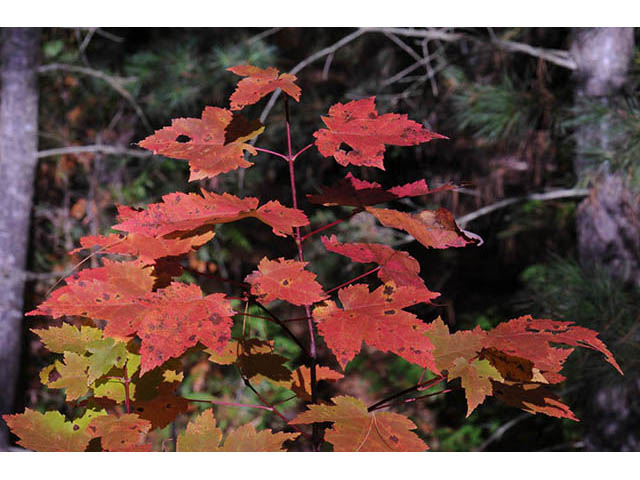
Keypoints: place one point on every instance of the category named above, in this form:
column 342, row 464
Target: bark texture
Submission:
column 19, row 53
column 608, row 223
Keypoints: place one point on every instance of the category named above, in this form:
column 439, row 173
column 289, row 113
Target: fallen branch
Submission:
column 108, row 149
column 552, row 195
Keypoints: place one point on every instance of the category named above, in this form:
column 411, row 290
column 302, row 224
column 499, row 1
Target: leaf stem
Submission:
column 271, row 407
column 281, row 324
column 353, row 280
column 264, row 150
column 302, row 151
column 329, row 225
column 427, row 384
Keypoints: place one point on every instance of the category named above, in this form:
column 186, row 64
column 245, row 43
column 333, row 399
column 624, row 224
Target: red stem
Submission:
column 302, row 151
column 264, row 150
column 271, row 407
column 312, row 340
column 329, row 225
column 427, row 384
column 354, row 279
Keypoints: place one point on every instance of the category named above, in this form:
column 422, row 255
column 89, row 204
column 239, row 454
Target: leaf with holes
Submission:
column 72, row 375
column 260, row 82
column 432, row 228
column 394, row 265
column 357, row 430
column 377, row 319
column 176, row 318
column 358, row 125
column 186, row 215
column 104, row 293
column 50, row 432
column 212, row 144
column 285, row 280
column 352, row 192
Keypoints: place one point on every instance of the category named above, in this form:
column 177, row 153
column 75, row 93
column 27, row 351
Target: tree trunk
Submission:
column 608, row 223
column 19, row 53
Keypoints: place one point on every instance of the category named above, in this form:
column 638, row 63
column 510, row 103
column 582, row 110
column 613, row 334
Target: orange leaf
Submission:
column 204, row 142
column 260, row 82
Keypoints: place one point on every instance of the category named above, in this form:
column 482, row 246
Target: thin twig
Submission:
column 373, row 270
column 497, row 435
column 230, row 404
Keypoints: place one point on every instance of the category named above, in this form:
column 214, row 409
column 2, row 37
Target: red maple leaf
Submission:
column 260, row 82
column 353, row 192
column 168, row 321
column 358, row 125
column 395, row 265
column 377, row 319
column 147, row 249
column 285, row 280
column 212, row 145
column 185, row 215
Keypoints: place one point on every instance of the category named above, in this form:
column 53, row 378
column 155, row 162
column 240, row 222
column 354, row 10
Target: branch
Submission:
column 562, row 58
column 114, row 82
column 108, row 149
column 552, row 195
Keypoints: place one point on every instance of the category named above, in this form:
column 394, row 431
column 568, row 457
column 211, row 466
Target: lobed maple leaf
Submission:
column 176, row 318
column 104, row 293
column 518, row 355
column 432, row 228
column 395, row 265
column 260, row 82
column 185, row 215
column 357, row 430
column 358, row 125
column 285, row 280
column 50, row 431
column 353, row 192
column 126, row 433
column 147, row 249
column 203, row 435
column 168, row 321
column 212, row 144
column 67, row 338
column 377, row 319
